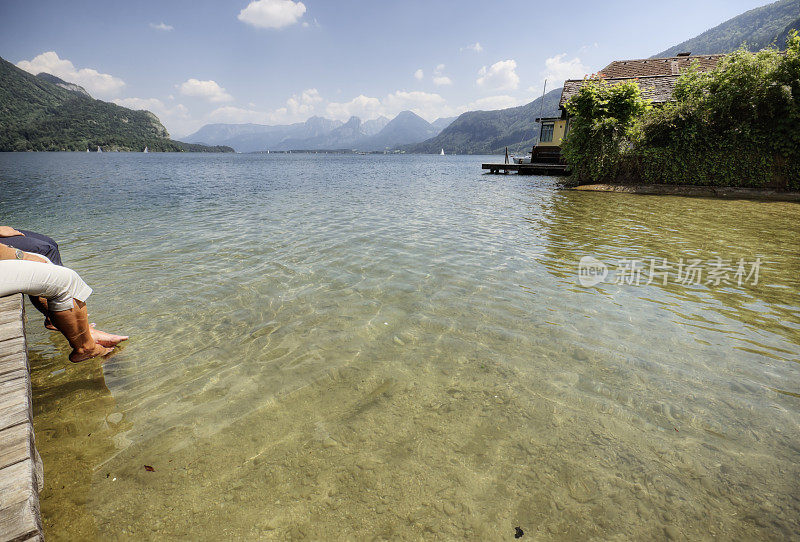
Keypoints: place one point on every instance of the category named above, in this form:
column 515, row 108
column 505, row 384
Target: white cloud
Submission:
column 439, row 79
column 209, row 90
column 557, row 69
column 96, row 83
column 238, row 115
column 419, row 74
column 429, row 106
column 272, row 13
column 490, row 103
column 297, row 109
column 162, row 26
column 475, row 47
column 360, row 106
column 303, row 104
column 500, row 76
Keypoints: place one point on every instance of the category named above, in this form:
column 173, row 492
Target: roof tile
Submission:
column 658, row 89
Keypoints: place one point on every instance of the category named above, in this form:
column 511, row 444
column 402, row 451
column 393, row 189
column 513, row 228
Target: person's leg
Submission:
column 36, row 243
column 74, row 325
column 66, row 293
column 40, row 304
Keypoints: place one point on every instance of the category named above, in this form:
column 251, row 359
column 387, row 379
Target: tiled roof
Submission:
column 657, row 89
column 658, row 66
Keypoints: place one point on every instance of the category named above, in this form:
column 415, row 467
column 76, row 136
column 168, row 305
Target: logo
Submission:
column 591, row 271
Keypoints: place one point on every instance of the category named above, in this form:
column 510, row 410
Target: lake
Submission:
column 402, row 347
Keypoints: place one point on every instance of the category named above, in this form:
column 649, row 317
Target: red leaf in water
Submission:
column 148, row 468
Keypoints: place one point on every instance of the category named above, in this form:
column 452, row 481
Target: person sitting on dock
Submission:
column 32, row 242
column 35, row 243
column 66, row 294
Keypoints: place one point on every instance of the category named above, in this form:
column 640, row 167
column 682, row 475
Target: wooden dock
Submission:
column 528, row 169
column 21, row 473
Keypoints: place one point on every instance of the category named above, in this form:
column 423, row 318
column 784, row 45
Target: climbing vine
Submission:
column 737, row 125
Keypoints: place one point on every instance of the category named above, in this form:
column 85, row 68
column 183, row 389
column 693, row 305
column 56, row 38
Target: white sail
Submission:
column 99, row 149
column 145, row 149
column 441, row 153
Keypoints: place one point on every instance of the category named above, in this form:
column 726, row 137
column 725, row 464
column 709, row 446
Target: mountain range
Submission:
column 318, row 133
column 490, row 132
column 44, row 113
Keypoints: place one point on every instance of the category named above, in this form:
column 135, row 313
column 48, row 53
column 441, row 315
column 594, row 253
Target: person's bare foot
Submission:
column 107, row 339
column 49, row 325
column 82, row 355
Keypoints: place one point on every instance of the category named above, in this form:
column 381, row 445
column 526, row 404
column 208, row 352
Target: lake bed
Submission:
column 398, row 347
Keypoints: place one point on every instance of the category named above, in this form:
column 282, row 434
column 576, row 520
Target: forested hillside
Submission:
column 486, row 132
column 38, row 115
column 757, row 29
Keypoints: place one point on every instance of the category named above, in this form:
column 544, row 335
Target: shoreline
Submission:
column 725, row 192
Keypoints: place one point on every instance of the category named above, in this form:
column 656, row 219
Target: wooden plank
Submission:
column 21, row 473
column 13, row 347
column 17, row 483
column 15, row 412
column 11, row 330
column 20, row 521
column 38, row 467
column 8, row 316
column 12, row 387
column 10, row 302
column 10, row 364
column 14, row 375
column 16, row 445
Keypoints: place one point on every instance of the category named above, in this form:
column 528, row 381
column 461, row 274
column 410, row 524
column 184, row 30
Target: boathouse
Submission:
column 656, row 77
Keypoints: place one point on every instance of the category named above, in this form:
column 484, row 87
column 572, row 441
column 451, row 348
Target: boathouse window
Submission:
column 547, row 131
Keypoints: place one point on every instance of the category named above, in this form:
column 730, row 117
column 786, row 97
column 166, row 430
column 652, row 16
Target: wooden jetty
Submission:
column 21, row 473
column 543, row 161
column 527, row 169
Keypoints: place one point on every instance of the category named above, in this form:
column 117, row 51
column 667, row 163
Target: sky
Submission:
column 195, row 62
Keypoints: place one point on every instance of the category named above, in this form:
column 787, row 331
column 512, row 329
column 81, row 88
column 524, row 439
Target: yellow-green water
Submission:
column 398, row 348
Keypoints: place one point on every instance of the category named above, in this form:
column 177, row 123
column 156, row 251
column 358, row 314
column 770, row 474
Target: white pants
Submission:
column 59, row 285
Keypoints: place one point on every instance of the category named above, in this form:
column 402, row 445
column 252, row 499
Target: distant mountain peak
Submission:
column 372, row 127
column 408, row 114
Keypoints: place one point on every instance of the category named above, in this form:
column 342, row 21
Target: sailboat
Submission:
column 87, row 149
column 145, row 149
column 441, row 153
column 99, row 149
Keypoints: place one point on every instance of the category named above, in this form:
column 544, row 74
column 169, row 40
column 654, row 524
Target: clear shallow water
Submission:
column 398, row 347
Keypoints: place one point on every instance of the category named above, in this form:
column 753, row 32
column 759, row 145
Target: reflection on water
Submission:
column 398, row 348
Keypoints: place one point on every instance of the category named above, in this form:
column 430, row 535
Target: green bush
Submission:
column 738, row 125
